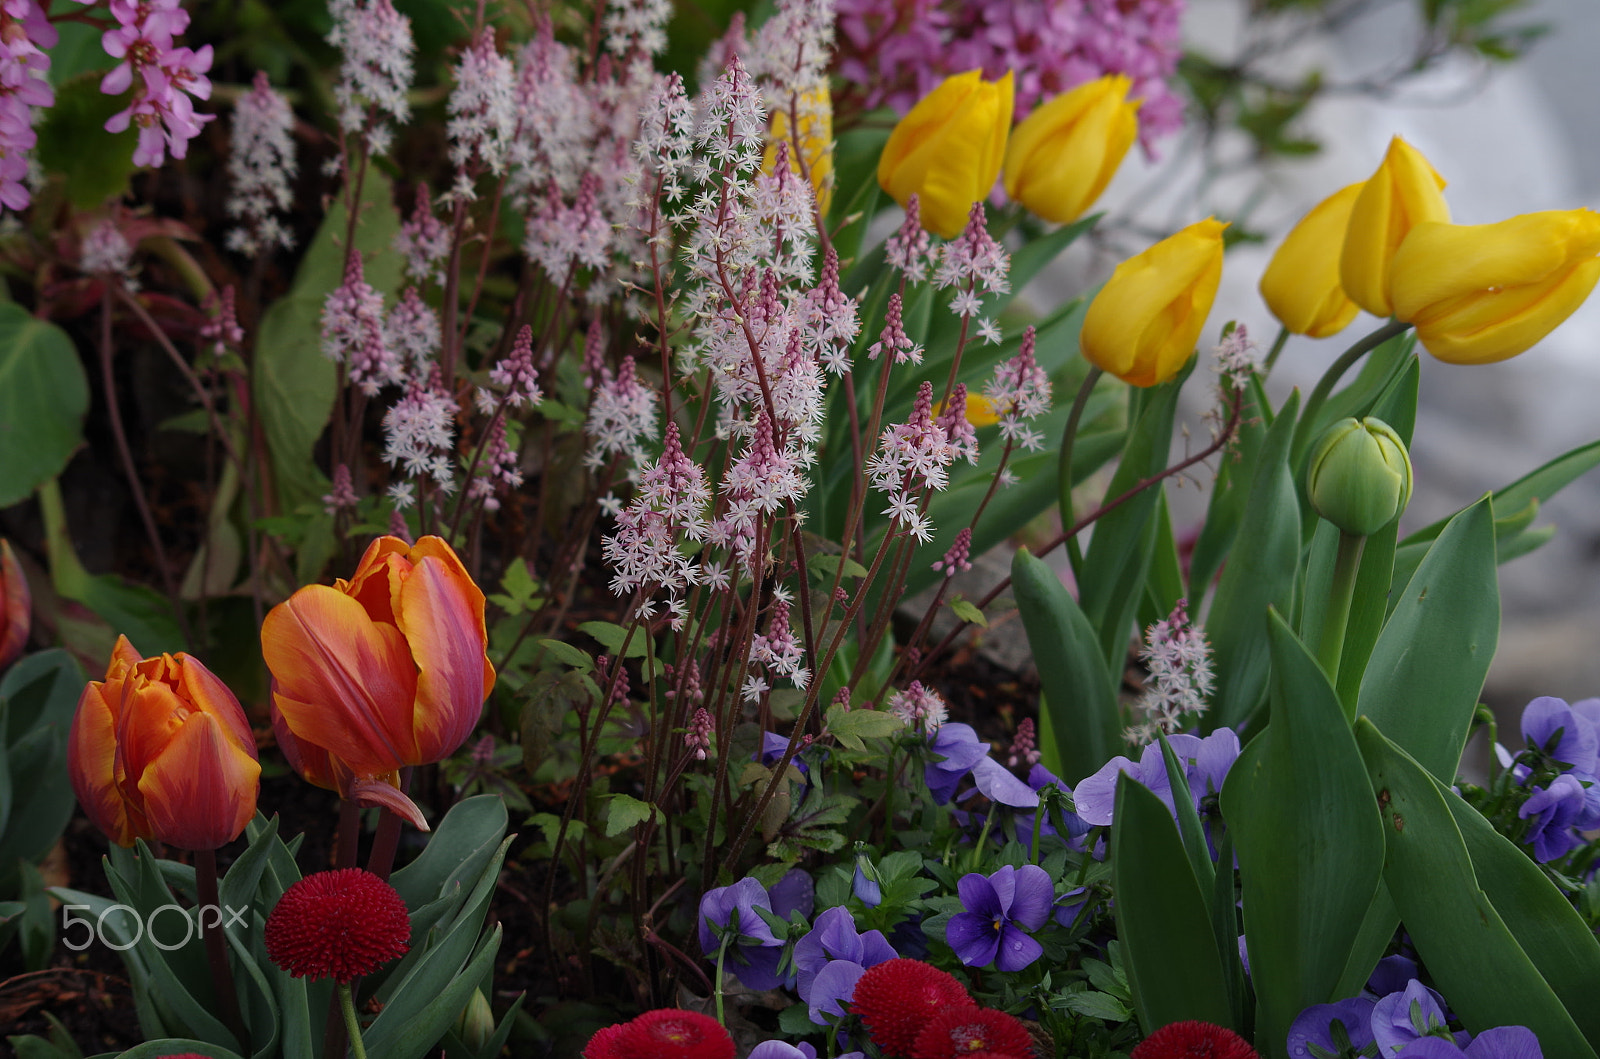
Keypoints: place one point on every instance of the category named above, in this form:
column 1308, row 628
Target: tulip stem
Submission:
column 1303, row 431
column 1272, row 354
column 1069, row 435
column 205, row 863
column 352, row 1024
column 1336, row 616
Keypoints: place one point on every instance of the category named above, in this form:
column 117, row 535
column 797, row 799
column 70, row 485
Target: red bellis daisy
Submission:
column 962, row 1033
column 897, row 998
column 338, row 924
column 1193, row 1040
column 666, row 1033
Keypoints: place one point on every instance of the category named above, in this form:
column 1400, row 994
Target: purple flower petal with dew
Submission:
column 1339, row 1030
column 1502, row 1042
column 1400, row 1018
column 998, row 910
column 995, row 782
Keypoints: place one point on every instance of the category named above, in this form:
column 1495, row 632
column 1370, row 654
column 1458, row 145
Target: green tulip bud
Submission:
column 1359, row 477
column 475, row 1027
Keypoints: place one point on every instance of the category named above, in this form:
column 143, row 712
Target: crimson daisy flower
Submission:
column 666, row 1033
column 339, row 924
column 961, row 1033
column 1193, row 1040
column 896, row 999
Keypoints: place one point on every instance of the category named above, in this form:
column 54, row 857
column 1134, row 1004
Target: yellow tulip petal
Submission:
column 1442, row 261
column 1502, row 326
column 1301, row 283
column 1403, row 193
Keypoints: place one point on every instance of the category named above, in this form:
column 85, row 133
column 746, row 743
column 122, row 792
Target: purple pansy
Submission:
column 999, row 908
column 753, row 953
column 795, row 892
column 773, row 747
column 1039, row 778
column 1341, row 1029
column 1502, row 1042
column 828, row 961
column 1565, row 734
column 1392, row 975
column 1205, row 764
column 1400, row 1018
column 865, row 884
column 1554, row 810
column 958, row 748
column 995, row 782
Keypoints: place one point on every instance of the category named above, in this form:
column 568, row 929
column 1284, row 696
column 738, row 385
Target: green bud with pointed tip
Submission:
column 475, row 1027
column 1359, row 477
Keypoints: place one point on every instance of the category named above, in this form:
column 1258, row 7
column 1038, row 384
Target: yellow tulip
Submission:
column 815, row 109
column 947, row 150
column 1064, row 154
column 1301, row 284
column 1478, row 293
column 1144, row 323
column 1403, row 193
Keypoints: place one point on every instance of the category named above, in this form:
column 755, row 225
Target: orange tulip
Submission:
column 382, row 671
column 161, row 750
column 15, row 604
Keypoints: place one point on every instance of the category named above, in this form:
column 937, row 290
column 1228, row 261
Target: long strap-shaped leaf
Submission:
column 1309, row 840
column 1169, row 951
column 1473, row 956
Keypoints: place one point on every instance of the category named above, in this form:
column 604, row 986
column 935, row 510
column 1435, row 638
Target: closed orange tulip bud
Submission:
column 1403, row 193
column 382, row 671
column 1143, row 325
column 15, row 606
column 1064, row 154
column 1301, row 283
column 815, row 108
column 1484, row 292
column 161, row 750
column 947, row 151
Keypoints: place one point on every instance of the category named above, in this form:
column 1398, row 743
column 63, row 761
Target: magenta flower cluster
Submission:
column 900, row 49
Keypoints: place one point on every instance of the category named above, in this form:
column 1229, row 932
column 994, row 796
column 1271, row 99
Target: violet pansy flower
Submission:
column 831, row 957
column 753, row 951
column 1000, row 908
column 1565, row 733
column 1554, row 810
column 1205, row 762
column 1401, row 1018
column 1502, row 1042
column 1339, row 1030
column 959, row 749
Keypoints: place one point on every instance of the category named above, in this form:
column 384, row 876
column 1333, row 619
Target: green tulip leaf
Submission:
column 1111, row 585
column 1473, row 956
column 1427, row 668
column 1259, row 575
column 415, row 1026
column 1309, row 842
column 1229, row 493
column 460, row 846
column 1169, row 951
column 1561, row 945
column 1080, row 727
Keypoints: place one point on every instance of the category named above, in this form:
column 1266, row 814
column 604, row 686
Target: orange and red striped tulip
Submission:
column 15, row 606
column 161, row 750
column 382, row 671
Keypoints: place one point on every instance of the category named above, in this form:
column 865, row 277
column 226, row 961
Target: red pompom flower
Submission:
column 666, row 1033
column 1193, row 1040
column 338, row 924
column 897, row 998
column 961, row 1033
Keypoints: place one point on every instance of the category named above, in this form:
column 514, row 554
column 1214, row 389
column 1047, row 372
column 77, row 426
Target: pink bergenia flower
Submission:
column 163, row 77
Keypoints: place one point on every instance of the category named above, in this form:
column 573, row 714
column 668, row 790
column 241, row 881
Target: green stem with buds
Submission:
column 1336, row 616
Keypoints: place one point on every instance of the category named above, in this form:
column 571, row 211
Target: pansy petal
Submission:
column 978, row 895
column 1034, row 896
column 973, row 937
column 996, row 783
column 1505, row 1042
column 1016, row 950
column 835, row 983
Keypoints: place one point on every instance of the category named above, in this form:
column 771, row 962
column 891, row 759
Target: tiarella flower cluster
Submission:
column 353, row 332
column 423, row 241
column 375, row 71
column 1019, row 391
column 419, row 435
column 261, row 165
column 483, row 116
column 1180, row 680
column 669, row 508
column 162, row 74
column 900, row 49
column 972, row 263
column 911, row 458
